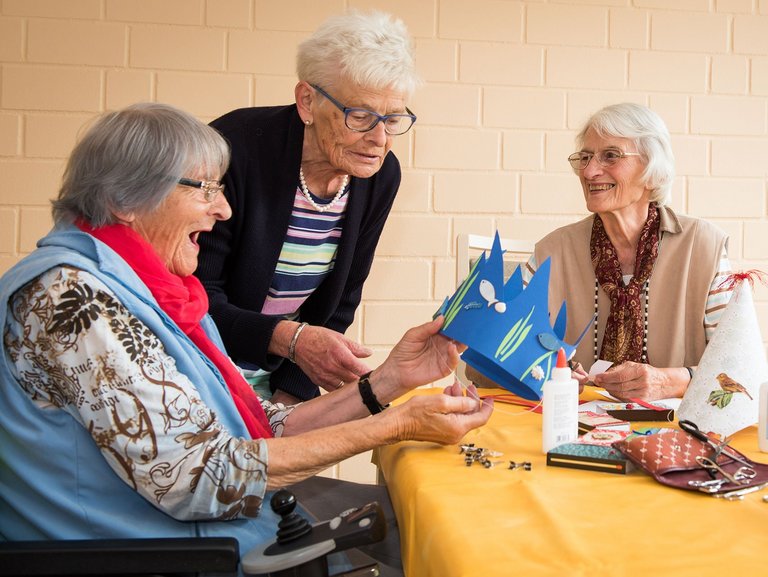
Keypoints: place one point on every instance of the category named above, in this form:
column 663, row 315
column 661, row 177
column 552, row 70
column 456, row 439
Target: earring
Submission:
column 308, row 122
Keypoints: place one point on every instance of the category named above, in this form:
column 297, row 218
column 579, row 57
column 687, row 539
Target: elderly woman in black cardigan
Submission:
column 311, row 185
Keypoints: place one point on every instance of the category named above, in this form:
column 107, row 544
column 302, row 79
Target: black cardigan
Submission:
column 238, row 258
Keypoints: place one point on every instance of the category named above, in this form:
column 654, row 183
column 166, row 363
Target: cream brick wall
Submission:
column 507, row 84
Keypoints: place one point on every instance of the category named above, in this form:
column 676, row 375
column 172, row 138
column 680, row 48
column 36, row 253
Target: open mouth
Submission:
column 600, row 187
column 194, row 236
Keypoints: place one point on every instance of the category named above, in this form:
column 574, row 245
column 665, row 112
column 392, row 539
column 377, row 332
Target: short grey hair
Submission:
column 130, row 160
column 651, row 137
column 371, row 49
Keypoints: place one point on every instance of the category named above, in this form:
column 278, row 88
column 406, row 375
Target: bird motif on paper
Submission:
column 721, row 398
column 728, row 384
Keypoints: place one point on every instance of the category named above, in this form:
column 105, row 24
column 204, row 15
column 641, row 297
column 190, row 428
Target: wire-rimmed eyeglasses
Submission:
column 363, row 120
column 209, row 188
column 607, row 157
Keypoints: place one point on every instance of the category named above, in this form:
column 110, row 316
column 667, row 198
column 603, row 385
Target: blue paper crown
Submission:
column 506, row 327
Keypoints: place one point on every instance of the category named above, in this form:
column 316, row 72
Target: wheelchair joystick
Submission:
column 300, row 549
column 292, row 525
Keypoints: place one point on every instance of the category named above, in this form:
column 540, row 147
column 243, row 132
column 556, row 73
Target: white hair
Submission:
column 371, row 49
column 131, row 159
column 651, row 137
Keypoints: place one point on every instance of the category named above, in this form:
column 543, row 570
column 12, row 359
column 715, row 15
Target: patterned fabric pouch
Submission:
column 677, row 459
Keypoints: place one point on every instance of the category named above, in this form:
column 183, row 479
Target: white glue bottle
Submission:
column 560, row 406
column 762, row 423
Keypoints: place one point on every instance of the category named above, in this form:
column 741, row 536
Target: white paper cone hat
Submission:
column 722, row 397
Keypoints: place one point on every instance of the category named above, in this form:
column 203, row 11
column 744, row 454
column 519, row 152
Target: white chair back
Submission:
column 469, row 247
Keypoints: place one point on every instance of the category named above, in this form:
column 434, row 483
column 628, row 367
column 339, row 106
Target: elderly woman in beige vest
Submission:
column 650, row 278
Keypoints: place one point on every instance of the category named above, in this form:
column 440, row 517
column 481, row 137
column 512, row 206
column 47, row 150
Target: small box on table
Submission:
column 592, row 452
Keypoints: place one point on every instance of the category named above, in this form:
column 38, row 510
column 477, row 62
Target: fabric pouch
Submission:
column 670, row 457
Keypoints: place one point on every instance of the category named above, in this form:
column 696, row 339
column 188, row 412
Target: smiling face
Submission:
column 359, row 154
column 613, row 189
column 174, row 227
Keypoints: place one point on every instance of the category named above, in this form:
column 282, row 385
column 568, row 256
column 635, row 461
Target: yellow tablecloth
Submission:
column 459, row 521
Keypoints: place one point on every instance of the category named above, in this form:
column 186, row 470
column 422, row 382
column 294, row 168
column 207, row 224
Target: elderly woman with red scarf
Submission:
column 122, row 415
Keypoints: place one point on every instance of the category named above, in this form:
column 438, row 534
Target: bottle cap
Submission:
column 561, row 362
column 561, row 372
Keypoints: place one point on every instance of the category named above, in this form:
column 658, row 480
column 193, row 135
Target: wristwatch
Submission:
column 369, row 399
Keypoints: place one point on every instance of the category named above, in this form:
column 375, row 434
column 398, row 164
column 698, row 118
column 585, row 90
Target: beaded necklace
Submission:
column 310, row 200
column 644, row 357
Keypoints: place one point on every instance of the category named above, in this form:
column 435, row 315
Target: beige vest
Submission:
column 689, row 256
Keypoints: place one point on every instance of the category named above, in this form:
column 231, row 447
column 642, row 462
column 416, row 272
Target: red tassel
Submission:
column 736, row 278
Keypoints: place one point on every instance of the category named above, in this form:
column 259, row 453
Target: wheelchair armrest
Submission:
column 167, row 556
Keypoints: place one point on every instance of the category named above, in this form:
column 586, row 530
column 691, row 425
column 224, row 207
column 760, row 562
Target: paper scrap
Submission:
column 599, row 366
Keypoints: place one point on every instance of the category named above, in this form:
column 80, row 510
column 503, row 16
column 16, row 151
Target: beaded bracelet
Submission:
column 294, row 340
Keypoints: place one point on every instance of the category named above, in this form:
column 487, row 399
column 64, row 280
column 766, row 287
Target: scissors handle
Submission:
column 719, row 448
column 692, row 429
column 710, row 465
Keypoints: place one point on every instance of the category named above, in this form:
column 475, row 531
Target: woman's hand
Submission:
column 328, row 358
column 581, row 375
column 631, row 380
column 437, row 418
column 443, row 419
column 422, row 356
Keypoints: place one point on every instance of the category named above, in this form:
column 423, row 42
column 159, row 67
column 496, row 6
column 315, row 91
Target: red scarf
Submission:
column 625, row 327
column 185, row 301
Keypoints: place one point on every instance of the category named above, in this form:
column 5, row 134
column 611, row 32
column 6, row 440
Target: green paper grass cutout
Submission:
column 454, row 309
column 514, row 338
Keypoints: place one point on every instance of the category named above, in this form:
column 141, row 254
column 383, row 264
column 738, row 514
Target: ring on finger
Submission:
column 341, row 384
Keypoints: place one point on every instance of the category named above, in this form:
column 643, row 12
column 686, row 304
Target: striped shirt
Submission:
column 308, row 254
column 718, row 296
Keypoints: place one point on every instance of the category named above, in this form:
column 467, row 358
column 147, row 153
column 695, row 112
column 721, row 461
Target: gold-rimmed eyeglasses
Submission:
column 363, row 120
column 209, row 188
column 607, row 157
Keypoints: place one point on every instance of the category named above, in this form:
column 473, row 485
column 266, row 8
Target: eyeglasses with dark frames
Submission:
column 363, row 120
column 209, row 188
column 607, row 157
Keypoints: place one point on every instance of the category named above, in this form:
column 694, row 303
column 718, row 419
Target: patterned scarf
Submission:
column 625, row 328
column 185, row 301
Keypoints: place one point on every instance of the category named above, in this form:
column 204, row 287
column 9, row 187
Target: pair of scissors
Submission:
column 742, row 476
column 718, row 447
